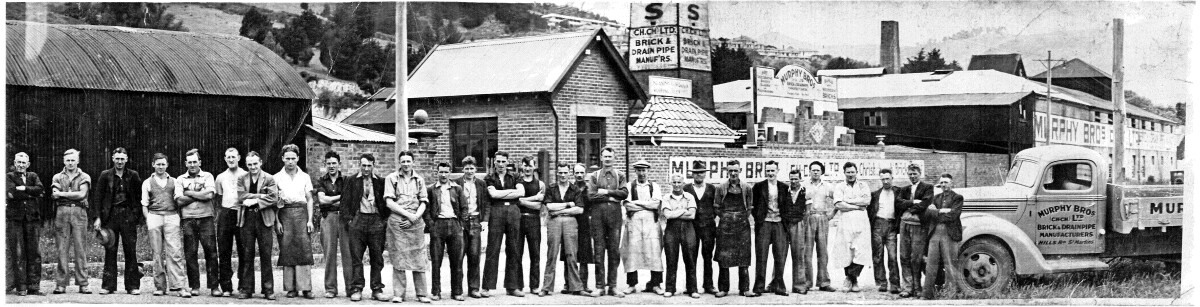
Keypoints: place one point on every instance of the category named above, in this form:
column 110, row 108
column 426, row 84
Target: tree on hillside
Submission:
column 928, row 62
column 350, row 52
column 1181, row 112
column 255, row 25
column 730, row 65
column 1175, row 112
column 125, row 14
column 845, row 63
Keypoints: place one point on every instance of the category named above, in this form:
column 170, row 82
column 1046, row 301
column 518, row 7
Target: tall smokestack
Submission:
column 889, row 47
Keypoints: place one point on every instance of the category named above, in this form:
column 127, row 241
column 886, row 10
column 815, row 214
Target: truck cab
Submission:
column 1057, row 212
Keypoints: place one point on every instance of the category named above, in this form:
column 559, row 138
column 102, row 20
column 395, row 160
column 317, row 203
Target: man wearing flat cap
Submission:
column 642, row 243
column 704, row 223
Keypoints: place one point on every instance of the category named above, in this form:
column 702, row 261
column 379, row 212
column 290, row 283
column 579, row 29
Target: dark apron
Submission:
column 295, row 245
column 733, row 232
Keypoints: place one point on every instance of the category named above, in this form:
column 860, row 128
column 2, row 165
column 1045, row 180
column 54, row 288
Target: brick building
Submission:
column 566, row 94
column 350, row 142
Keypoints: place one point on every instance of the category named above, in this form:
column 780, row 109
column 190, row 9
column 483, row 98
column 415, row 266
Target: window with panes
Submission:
column 476, row 137
column 590, row 140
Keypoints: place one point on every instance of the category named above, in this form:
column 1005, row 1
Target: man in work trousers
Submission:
column 532, row 191
column 478, row 204
column 850, row 227
column 70, row 194
column 295, row 225
column 794, row 219
column 365, row 212
column 119, row 209
column 770, row 204
column 564, row 202
column 885, row 205
column 227, row 220
column 734, row 232
column 915, row 198
column 606, row 189
column 641, row 248
column 705, row 224
column 584, row 253
column 445, row 218
column 679, row 209
column 23, row 218
column 162, row 228
column 941, row 219
column 503, row 227
column 259, row 196
column 818, row 197
column 194, row 191
column 334, row 234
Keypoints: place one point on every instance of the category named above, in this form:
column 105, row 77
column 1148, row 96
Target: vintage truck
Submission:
column 1058, row 212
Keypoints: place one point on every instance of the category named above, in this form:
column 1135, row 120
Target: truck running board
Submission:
column 1075, row 263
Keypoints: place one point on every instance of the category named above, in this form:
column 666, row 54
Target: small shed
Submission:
column 96, row 88
column 350, row 142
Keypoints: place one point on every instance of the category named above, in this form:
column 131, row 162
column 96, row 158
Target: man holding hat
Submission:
column 643, row 238
column 118, row 211
column 704, row 223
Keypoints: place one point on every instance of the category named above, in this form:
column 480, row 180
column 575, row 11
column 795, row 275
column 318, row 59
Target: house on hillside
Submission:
column 1005, row 63
column 96, row 88
column 568, row 94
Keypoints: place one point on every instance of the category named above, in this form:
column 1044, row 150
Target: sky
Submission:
column 857, row 22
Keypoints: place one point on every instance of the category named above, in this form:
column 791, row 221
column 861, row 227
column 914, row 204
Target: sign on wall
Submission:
column 694, row 52
column 669, row 35
column 1070, row 131
column 694, row 15
column 754, row 169
column 1066, row 228
column 793, row 82
column 673, row 87
column 654, row 48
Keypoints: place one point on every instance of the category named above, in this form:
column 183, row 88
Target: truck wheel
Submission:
column 987, row 265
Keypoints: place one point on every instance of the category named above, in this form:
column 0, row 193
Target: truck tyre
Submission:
column 987, row 265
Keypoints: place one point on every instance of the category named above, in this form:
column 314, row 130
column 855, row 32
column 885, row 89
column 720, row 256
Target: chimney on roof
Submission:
column 889, row 47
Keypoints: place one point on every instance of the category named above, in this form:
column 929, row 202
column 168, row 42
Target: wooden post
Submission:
column 401, row 77
column 1118, row 95
column 1049, row 97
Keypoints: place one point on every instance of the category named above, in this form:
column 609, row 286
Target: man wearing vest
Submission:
column 446, row 215
column 794, row 219
column 69, row 190
column 532, row 191
column 915, row 198
column 944, row 233
column 194, row 194
column 334, row 235
column 118, row 209
column 162, row 227
column 503, row 227
column 23, row 215
column 365, row 212
column 259, row 197
column 478, row 204
column 770, row 203
column 705, row 223
column 679, row 209
column 564, row 202
column 642, row 243
column 606, row 187
column 733, row 200
column 884, row 208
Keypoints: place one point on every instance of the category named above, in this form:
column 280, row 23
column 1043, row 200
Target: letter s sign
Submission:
column 654, row 11
column 653, row 14
column 693, row 12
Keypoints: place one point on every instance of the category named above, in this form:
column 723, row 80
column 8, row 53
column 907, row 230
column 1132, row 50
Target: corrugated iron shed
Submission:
column 678, row 116
column 143, row 60
column 1075, row 68
column 1005, row 63
column 347, row 133
column 986, row 99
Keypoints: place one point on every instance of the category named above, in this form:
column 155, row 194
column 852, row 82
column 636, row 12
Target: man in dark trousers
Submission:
column 944, row 229
column 334, row 233
column 883, row 212
column 794, row 219
column 478, row 205
column 445, row 218
column 704, row 223
column 258, row 195
column 584, row 253
column 119, row 195
column 606, row 187
column 24, row 199
column 913, row 198
column 770, row 201
column 503, row 227
column 365, row 212
column 532, row 191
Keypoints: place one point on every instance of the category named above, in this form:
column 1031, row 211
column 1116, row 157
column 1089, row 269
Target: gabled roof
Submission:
column 383, row 94
column 677, row 116
column 529, row 64
column 347, row 133
column 1075, row 68
column 144, row 60
column 1005, row 63
column 732, row 91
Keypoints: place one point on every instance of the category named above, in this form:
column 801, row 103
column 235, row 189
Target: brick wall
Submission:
column 968, row 169
column 385, row 156
column 659, row 156
column 594, row 83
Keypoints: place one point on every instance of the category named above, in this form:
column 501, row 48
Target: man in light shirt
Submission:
column 850, row 227
column 194, row 192
column 444, row 218
column 679, row 209
column 296, row 223
column 227, row 228
column 366, row 213
column 162, row 228
column 883, row 213
column 478, row 206
column 818, row 197
column 771, row 203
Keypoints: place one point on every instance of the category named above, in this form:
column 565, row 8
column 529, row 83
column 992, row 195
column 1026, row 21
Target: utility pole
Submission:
column 1118, row 95
column 1049, row 63
column 401, row 77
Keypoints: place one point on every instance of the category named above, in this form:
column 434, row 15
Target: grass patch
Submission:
column 1127, row 278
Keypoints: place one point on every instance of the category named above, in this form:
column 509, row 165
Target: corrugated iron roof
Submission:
column 733, row 91
column 144, row 60
column 372, row 112
column 986, row 99
column 527, row 64
column 1005, row 63
column 1075, row 68
column 383, row 93
column 856, row 72
column 733, row 107
column 348, row 133
column 673, row 115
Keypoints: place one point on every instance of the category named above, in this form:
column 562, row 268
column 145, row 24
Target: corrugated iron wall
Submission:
column 44, row 122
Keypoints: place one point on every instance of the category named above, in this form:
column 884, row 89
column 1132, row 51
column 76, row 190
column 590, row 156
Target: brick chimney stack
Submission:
column 889, row 47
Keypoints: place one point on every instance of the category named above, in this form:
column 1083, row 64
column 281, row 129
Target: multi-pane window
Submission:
column 476, row 137
column 875, row 119
column 590, row 140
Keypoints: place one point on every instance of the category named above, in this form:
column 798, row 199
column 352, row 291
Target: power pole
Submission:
column 401, row 77
column 1049, row 63
column 1118, row 95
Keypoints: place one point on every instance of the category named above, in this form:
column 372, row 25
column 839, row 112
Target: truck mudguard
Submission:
column 1027, row 259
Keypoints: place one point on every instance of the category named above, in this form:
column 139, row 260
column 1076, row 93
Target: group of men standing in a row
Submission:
column 599, row 218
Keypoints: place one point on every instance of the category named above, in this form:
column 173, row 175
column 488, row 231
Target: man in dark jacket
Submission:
column 793, row 218
column 445, row 217
column 944, row 228
column 24, row 216
column 770, row 200
column 913, row 200
column 705, row 223
column 365, row 211
column 882, row 213
column 478, row 205
column 118, row 208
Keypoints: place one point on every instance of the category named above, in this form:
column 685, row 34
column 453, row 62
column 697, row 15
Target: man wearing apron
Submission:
column 732, row 203
column 850, row 229
column 407, row 198
column 296, row 223
column 643, row 239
